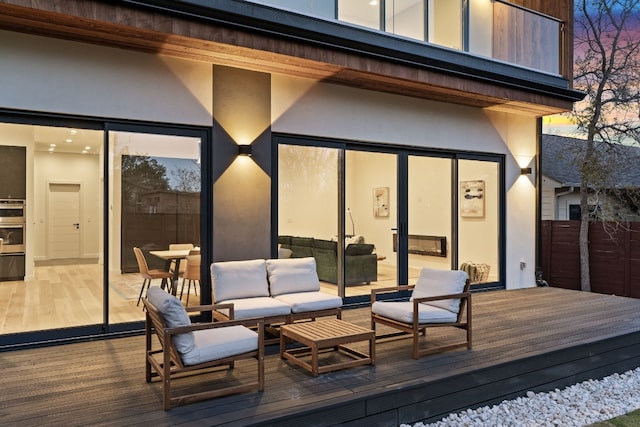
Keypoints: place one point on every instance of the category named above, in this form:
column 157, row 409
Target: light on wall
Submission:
column 525, row 171
column 244, row 150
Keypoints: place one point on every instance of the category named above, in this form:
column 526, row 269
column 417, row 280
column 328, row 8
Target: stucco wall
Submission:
column 306, row 107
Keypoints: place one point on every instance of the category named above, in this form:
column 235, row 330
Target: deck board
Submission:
column 537, row 338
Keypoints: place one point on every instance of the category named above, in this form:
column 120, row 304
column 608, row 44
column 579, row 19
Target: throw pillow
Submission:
column 174, row 316
column 292, row 275
column 239, row 279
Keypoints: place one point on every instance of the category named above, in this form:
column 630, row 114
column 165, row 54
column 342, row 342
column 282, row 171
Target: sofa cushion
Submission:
column 302, row 302
column 239, row 279
column 325, row 244
column 284, row 241
column 432, row 282
column 245, row 308
column 403, row 312
column 359, row 249
column 292, row 275
column 218, row 343
column 174, row 315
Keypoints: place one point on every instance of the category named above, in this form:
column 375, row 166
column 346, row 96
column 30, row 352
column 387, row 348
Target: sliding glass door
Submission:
column 429, row 207
column 154, row 198
column 374, row 219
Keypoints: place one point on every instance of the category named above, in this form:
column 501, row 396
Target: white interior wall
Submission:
column 74, row 169
column 366, row 171
column 445, row 23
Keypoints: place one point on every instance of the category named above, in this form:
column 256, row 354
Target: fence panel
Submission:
column 614, row 257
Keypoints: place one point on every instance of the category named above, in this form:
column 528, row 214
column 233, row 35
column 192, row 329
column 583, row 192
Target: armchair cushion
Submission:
column 218, row 343
column 292, row 275
column 403, row 312
column 239, row 279
column 302, row 302
column 174, row 316
column 433, row 283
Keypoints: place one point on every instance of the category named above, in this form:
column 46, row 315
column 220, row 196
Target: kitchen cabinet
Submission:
column 13, row 172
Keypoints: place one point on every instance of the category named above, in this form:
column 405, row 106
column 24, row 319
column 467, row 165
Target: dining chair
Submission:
column 179, row 247
column 149, row 275
column 191, row 273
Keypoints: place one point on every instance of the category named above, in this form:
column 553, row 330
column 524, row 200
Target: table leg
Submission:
column 176, row 277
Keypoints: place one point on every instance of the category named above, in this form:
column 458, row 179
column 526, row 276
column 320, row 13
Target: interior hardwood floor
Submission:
column 68, row 293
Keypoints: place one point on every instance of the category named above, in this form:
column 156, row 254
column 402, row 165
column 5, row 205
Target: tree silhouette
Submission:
column 607, row 69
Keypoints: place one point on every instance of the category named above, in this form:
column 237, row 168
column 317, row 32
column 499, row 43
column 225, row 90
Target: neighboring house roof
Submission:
column 559, row 162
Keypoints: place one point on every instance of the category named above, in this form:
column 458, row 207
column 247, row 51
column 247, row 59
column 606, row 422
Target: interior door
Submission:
column 64, row 221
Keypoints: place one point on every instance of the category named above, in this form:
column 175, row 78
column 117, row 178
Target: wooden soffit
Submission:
column 122, row 26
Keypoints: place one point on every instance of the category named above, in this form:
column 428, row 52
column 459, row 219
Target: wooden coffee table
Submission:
column 326, row 335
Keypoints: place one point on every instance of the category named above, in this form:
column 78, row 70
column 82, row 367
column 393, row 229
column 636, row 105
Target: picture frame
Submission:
column 381, row 202
column 472, row 196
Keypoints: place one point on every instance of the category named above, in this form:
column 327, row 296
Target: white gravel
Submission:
column 578, row 405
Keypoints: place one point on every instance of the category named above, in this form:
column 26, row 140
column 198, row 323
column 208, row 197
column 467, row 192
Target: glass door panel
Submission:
column 371, row 181
column 54, row 278
column 478, row 220
column 429, row 212
column 308, row 184
column 154, row 200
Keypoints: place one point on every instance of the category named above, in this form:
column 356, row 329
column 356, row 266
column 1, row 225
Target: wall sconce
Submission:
column 525, row 171
column 244, row 150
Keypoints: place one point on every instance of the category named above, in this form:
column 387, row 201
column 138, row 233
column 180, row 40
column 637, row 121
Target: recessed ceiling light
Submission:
column 52, row 145
column 87, row 148
column 73, row 132
column 373, row 2
column 68, row 140
column 84, row 151
column 51, row 149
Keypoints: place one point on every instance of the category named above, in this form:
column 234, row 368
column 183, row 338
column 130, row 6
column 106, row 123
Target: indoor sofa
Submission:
column 361, row 264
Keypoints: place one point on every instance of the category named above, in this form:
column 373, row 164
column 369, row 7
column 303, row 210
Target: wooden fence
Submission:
column 614, row 259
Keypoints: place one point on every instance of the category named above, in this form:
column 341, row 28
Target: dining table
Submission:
column 174, row 256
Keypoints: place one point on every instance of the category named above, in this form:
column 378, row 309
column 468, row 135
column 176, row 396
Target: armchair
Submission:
column 192, row 348
column 439, row 298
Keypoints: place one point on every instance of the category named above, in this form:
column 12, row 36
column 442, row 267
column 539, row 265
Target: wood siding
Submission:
column 614, row 257
column 140, row 29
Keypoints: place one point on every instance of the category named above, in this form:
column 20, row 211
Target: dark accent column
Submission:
column 242, row 184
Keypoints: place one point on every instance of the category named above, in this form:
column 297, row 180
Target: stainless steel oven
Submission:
column 12, row 226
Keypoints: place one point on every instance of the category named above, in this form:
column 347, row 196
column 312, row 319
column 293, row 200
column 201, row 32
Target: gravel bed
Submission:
column 575, row 406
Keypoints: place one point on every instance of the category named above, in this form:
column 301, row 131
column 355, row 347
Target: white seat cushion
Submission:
column 174, row 315
column 403, row 312
column 239, row 279
column 432, row 283
column 302, row 302
column 291, row 275
column 245, row 308
column 218, row 343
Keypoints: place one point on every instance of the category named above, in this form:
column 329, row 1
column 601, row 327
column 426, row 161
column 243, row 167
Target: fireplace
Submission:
column 424, row 245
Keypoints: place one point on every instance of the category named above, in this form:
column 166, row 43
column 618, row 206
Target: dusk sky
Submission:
column 561, row 124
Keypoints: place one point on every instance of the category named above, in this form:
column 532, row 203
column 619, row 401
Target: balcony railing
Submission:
column 491, row 28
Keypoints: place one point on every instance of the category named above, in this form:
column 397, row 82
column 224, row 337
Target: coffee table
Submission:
column 326, row 335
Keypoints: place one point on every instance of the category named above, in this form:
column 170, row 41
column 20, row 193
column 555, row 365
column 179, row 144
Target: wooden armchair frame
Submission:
column 463, row 320
column 166, row 362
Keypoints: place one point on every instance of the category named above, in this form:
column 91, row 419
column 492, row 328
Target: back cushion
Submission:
column 239, row 279
column 433, row 283
column 174, row 315
column 292, row 275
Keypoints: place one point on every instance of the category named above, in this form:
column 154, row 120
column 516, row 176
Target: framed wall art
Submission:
column 381, row 202
column 472, row 197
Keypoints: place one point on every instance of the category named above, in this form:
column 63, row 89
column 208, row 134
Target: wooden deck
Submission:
column 532, row 339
